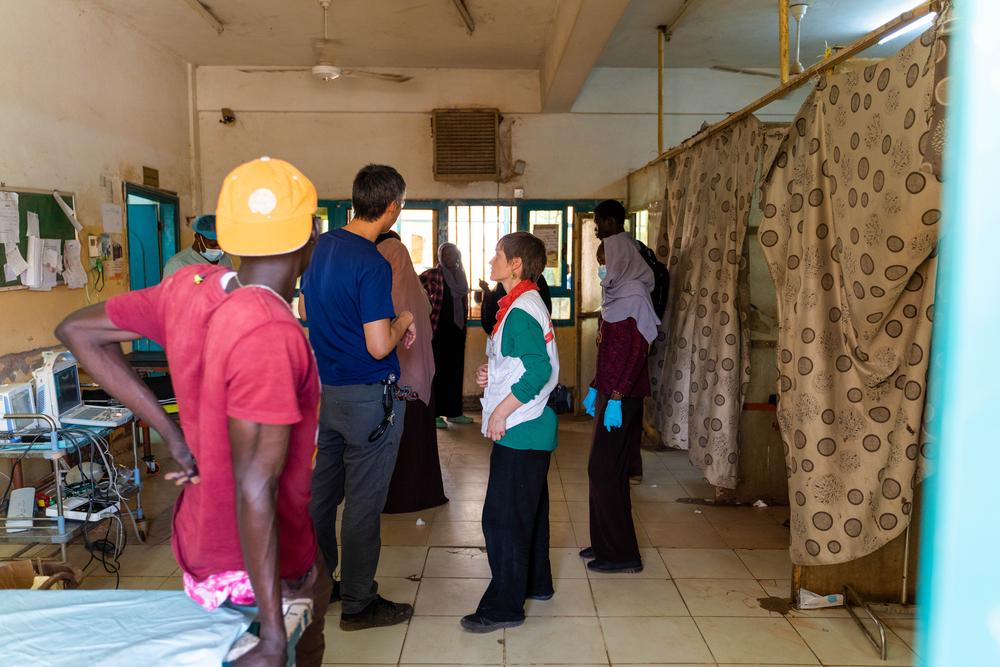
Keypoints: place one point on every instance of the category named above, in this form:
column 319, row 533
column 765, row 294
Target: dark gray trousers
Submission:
column 351, row 470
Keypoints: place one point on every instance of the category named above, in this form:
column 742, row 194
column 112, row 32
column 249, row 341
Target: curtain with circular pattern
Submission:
column 851, row 215
column 700, row 365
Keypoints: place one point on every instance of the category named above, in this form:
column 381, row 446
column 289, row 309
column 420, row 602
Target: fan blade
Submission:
column 272, row 70
column 740, row 70
column 381, row 76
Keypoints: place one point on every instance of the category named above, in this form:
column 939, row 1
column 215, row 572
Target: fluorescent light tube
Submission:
column 920, row 24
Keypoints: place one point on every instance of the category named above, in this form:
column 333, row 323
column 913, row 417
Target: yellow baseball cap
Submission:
column 265, row 208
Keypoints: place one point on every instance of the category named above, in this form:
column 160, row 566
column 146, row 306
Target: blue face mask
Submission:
column 602, row 272
column 212, row 254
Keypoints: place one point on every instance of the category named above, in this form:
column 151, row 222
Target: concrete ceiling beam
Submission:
column 579, row 33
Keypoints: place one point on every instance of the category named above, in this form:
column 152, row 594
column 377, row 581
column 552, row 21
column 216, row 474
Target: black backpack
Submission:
column 661, row 277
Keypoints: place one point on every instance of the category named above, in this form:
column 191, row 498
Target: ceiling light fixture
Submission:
column 919, row 24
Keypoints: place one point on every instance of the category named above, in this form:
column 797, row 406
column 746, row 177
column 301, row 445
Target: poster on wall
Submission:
column 549, row 234
column 112, row 256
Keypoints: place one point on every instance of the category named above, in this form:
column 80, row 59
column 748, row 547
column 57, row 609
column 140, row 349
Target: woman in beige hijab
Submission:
column 416, row 481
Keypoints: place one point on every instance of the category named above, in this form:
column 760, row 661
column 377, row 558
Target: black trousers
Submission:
column 516, row 526
column 612, row 532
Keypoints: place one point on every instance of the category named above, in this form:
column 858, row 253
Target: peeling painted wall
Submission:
column 84, row 97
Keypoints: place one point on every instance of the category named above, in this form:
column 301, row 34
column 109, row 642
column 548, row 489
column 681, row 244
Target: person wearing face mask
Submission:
column 204, row 250
column 627, row 326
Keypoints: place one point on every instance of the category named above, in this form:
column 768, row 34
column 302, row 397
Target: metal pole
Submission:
column 661, row 36
column 799, row 80
column 783, row 39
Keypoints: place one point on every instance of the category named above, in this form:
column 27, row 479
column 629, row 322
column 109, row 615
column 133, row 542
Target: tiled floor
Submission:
column 696, row 602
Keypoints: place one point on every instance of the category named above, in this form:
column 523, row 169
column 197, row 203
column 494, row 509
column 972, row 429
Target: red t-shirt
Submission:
column 239, row 355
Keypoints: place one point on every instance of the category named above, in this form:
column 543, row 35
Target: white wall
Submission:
column 331, row 129
column 83, row 97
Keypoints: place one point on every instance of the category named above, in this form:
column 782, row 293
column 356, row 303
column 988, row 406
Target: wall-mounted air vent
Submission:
column 465, row 144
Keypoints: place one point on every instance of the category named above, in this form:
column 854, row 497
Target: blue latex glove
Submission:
column 590, row 402
column 613, row 415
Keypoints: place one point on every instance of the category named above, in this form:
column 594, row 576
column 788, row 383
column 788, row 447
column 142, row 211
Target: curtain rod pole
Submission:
column 799, row 80
column 782, row 40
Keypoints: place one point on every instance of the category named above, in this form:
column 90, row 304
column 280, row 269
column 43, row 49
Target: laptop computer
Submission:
column 59, row 395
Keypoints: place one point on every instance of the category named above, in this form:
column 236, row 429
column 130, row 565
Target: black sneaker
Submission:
column 541, row 596
column 587, row 553
column 631, row 567
column 479, row 624
column 335, row 593
column 379, row 613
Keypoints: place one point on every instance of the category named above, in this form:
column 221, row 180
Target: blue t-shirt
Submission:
column 347, row 285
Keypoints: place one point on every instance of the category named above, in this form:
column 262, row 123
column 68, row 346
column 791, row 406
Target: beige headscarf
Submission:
column 416, row 364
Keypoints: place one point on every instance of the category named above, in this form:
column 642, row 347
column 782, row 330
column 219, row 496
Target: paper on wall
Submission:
column 15, row 263
column 8, row 275
column 73, row 271
column 32, row 276
column 33, row 224
column 111, row 217
column 70, row 213
column 549, row 234
column 10, row 223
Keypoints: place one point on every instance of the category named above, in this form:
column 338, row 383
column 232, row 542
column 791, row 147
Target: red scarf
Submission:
column 505, row 303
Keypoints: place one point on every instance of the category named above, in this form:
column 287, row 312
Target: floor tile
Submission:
column 461, row 510
column 567, row 564
column 558, row 511
column 652, row 568
column 143, row 561
column 657, row 492
column 906, row 629
column 704, row 564
column 464, row 491
column 457, row 563
column 576, row 491
column 723, row 597
column 561, row 535
column 758, row 536
column 691, row 534
column 124, row 583
column 561, row 641
column 572, row 598
column 839, row 641
column 766, row 640
column 435, row 640
column 449, row 597
column 579, row 511
column 457, row 534
column 374, row 646
column 767, row 563
column 427, row 516
column 400, row 534
column 401, row 561
column 668, row 512
column 650, row 640
column 637, row 597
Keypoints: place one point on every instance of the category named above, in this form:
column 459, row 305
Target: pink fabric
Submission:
column 416, row 365
column 215, row 589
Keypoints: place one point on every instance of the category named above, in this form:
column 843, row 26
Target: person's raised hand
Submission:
column 483, row 376
column 483, row 285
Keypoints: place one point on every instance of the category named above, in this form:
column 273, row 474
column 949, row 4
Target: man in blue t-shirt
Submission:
column 354, row 332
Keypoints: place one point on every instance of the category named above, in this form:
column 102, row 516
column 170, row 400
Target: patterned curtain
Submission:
column 700, row 365
column 851, row 216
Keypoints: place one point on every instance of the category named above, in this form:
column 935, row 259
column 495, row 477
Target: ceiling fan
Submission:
column 324, row 69
column 744, row 70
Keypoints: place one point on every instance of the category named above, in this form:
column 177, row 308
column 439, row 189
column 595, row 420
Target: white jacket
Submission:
column 504, row 372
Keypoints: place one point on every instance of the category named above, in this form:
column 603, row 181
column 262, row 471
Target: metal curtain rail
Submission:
column 799, row 80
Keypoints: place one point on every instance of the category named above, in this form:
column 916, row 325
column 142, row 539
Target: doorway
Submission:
column 588, row 305
column 153, row 237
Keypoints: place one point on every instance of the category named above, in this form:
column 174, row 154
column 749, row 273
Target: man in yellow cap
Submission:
column 248, row 392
